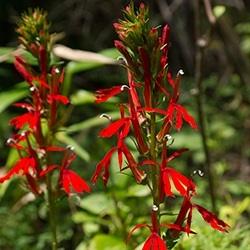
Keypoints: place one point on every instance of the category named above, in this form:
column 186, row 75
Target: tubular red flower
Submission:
column 57, row 98
column 181, row 182
column 212, row 219
column 103, row 95
column 102, row 167
column 24, row 166
column 138, row 174
column 21, row 67
column 114, row 127
column 72, row 182
column 29, row 118
column 154, row 242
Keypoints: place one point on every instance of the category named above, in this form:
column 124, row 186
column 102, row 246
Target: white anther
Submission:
column 70, row 147
column 155, row 208
column 180, row 72
column 33, row 88
column 106, row 116
column 164, row 46
column 168, row 137
column 199, row 172
column 124, row 87
column 23, row 134
column 10, row 141
column 57, row 70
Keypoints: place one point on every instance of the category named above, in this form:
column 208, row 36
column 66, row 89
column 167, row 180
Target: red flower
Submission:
column 57, row 98
column 186, row 214
column 72, row 182
column 29, row 118
column 123, row 124
column 25, row 165
column 21, row 67
column 211, row 219
column 102, row 167
column 181, row 182
column 138, row 174
column 154, row 242
column 69, row 180
column 103, row 95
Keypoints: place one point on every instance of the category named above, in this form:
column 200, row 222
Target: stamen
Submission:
column 163, row 46
column 180, row 72
column 70, row 147
column 10, row 141
column 199, row 172
column 106, row 116
column 155, row 208
column 124, row 87
column 168, row 137
column 33, row 88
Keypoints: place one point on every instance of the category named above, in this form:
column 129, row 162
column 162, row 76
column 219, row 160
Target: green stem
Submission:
column 155, row 169
column 52, row 213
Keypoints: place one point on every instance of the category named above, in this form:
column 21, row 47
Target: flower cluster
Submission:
column 35, row 128
column 151, row 113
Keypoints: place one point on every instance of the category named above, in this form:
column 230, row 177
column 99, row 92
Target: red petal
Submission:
column 24, row 165
column 166, row 184
column 179, row 228
column 156, row 110
column 48, row 169
column 113, row 127
column 55, row 148
column 212, row 219
column 59, row 98
column 103, row 95
column 103, row 167
column 73, row 182
column 154, row 242
column 176, row 154
column 24, row 105
column 21, row 120
column 170, row 79
column 19, row 64
column 165, row 35
column 181, row 182
column 132, row 164
column 186, row 116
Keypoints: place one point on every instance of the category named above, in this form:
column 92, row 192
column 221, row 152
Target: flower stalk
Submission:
column 36, row 128
column 152, row 113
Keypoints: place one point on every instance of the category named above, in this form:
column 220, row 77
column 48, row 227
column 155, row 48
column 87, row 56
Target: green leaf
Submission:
column 10, row 96
column 7, row 54
column 97, row 203
column 107, row 242
column 90, row 123
column 81, row 152
column 82, row 97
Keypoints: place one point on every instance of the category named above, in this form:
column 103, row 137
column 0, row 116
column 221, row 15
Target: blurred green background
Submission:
column 101, row 220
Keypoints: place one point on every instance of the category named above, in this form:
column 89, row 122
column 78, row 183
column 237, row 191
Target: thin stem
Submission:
column 52, row 212
column 155, row 170
column 199, row 56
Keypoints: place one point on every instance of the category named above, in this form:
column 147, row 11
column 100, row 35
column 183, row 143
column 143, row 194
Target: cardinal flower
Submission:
column 186, row 211
column 154, row 241
column 23, row 166
column 69, row 180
